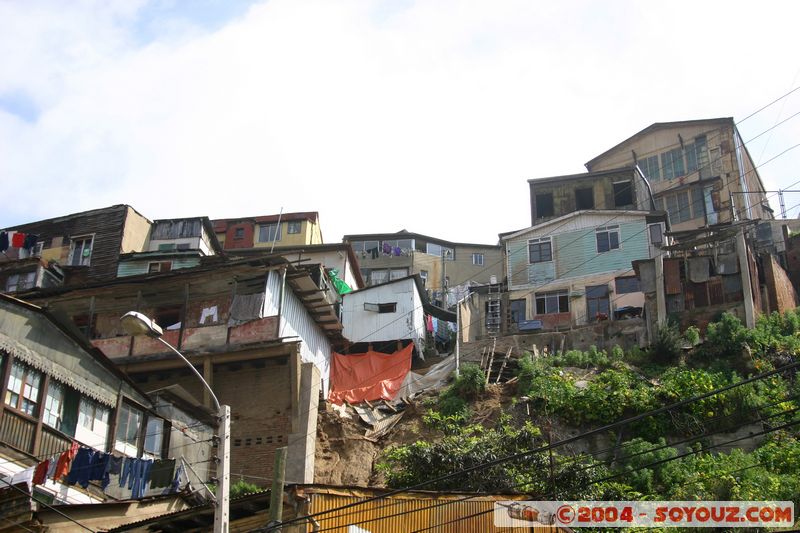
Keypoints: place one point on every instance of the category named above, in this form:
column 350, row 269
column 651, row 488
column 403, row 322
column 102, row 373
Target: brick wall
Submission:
column 258, row 393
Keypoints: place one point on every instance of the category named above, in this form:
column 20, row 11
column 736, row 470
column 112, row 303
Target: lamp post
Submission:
column 138, row 324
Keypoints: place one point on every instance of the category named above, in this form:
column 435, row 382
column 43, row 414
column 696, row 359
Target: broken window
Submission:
column 161, row 266
column 607, row 238
column 584, row 198
column 623, row 194
column 168, row 317
column 544, row 205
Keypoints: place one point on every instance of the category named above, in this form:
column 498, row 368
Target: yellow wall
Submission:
column 309, row 234
column 135, row 232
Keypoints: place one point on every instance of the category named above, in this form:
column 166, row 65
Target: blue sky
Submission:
column 380, row 115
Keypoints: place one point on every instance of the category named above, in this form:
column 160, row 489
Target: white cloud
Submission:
column 429, row 117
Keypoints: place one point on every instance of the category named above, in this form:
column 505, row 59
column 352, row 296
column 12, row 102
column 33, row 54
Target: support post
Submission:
column 276, row 494
column 222, row 509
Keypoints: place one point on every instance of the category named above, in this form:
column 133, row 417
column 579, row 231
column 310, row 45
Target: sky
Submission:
column 428, row 116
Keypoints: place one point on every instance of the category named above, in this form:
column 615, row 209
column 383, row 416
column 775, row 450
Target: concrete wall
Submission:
column 135, row 232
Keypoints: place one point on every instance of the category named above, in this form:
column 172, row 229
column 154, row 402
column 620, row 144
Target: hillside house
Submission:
column 700, row 170
column 259, row 330
column 60, row 390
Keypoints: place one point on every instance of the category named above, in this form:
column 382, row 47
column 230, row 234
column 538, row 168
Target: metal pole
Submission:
column 222, row 508
column 276, row 494
column 783, row 205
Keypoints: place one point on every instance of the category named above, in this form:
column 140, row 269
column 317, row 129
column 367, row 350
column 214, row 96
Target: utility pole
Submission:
column 276, row 493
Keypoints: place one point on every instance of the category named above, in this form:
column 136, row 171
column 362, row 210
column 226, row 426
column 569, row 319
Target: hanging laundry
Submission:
column 176, row 481
column 3, row 241
column 429, row 323
column 81, row 468
column 51, row 468
column 24, row 476
column 30, row 242
column 40, row 473
column 387, row 248
column 374, row 252
column 127, row 472
column 141, row 477
column 114, row 465
column 397, row 251
column 18, row 240
column 64, row 462
column 161, row 473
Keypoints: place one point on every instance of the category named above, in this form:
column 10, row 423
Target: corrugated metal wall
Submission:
column 295, row 321
column 451, row 513
column 407, row 322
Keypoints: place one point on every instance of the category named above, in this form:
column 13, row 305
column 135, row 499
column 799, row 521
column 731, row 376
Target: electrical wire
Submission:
column 30, row 496
column 562, row 442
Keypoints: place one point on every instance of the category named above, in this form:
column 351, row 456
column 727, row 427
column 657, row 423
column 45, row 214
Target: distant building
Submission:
column 700, row 170
column 388, row 256
column 264, row 232
column 70, row 250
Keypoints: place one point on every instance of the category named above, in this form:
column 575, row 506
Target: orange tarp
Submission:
column 369, row 376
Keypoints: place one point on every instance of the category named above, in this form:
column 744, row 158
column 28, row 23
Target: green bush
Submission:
column 666, row 347
column 726, row 338
column 470, row 383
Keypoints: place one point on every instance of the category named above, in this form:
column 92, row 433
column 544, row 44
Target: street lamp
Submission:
column 138, row 324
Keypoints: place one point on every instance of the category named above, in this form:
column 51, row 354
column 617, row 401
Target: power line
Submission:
column 30, row 496
column 562, row 442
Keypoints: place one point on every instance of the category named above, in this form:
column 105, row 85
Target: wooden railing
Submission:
column 52, row 442
column 17, row 431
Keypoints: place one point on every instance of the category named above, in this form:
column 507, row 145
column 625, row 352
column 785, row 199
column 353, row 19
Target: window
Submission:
column 168, row 316
column 238, row 233
column 154, row 436
column 21, row 282
column 269, row 233
column 697, row 154
column 649, row 167
column 477, row 259
column 93, row 423
column 81, row 252
column 584, row 198
column 544, row 205
column 378, row 276
column 23, row 388
column 626, row 285
column 539, row 250
column 294, row 226
column 548, row 303
column 437, row 250
column 424, row 275
column 162, row 266
column 517, row 308
column 656, row 234
column 128, row 426
column 53, row 405
column 597, row 305
column 364, row 246
column 677, row 205
column 672, row 164
column 381, row 308
column 623, row 193
column 167, row 247
column 398, row 273
column 607, row 238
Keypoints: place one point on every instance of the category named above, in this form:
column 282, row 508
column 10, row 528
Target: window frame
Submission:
column 595, row 300
column 477, row 259
column 559, row 298
column 608, row 232
column 584, row 198
column 539, row 244
column 23, row 403
column 16, row 286
column 85, row 260
column 269, row 229
column 629, row 192
column 293, row 227
column 545, row 208
column 626, row 285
